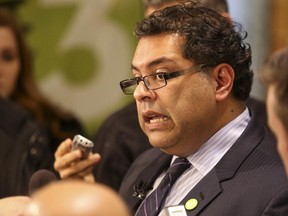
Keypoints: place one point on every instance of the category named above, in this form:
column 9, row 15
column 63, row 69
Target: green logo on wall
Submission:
column 82, row 49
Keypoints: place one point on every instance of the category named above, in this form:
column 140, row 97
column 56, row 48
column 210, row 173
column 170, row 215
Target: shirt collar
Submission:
column 215, row 148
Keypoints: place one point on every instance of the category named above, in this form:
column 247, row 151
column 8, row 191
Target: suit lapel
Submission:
column 247, row 142
column 205, row 191
column 148, row 176
column 210, row 186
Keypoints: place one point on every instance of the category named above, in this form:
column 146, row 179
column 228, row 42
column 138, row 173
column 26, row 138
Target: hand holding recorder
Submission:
column 83, row 144
column 74, row 159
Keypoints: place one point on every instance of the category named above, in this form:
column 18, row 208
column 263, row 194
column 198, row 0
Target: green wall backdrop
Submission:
column 82, row 49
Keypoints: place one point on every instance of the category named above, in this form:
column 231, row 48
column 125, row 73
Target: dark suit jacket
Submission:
column 249, row 180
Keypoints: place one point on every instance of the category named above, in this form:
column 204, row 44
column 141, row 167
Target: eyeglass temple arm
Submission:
column 179, row 73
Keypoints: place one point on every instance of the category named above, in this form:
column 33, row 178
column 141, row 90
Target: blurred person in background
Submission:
column 17, row 85
column 275, row 75
column 76, row 198
column 25, row 148
column 14, row 205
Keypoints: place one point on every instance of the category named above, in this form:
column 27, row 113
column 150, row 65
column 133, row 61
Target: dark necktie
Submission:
column 152, row 205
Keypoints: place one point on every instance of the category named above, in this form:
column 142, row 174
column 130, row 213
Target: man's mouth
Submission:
column 152, row 119
column 158, row 119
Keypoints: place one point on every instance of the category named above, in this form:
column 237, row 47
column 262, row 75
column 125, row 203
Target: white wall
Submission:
column 253, row 15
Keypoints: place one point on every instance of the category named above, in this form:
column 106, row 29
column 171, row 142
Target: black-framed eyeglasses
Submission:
column 156, row 80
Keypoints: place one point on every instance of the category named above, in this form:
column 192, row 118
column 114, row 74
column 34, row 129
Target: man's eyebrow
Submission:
column 134, row 67
column 155, row 62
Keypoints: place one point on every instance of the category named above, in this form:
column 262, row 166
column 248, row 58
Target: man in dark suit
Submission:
column 200, row 116
column 192, row 76
column 120, row 139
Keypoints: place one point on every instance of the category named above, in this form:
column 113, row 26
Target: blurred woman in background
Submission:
column 17, row 83
column 31, row 127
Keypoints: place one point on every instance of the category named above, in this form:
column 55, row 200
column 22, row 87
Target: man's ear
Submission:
column 223, row 77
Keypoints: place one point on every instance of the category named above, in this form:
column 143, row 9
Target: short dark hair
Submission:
column 210, row 39
column 275, row 71
column 218, row 5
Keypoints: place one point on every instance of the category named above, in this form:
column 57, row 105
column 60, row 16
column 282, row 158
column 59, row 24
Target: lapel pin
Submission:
column 191, row 204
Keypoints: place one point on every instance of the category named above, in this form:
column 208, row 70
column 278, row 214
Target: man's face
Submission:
column 276, row 124
column 177, row 118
